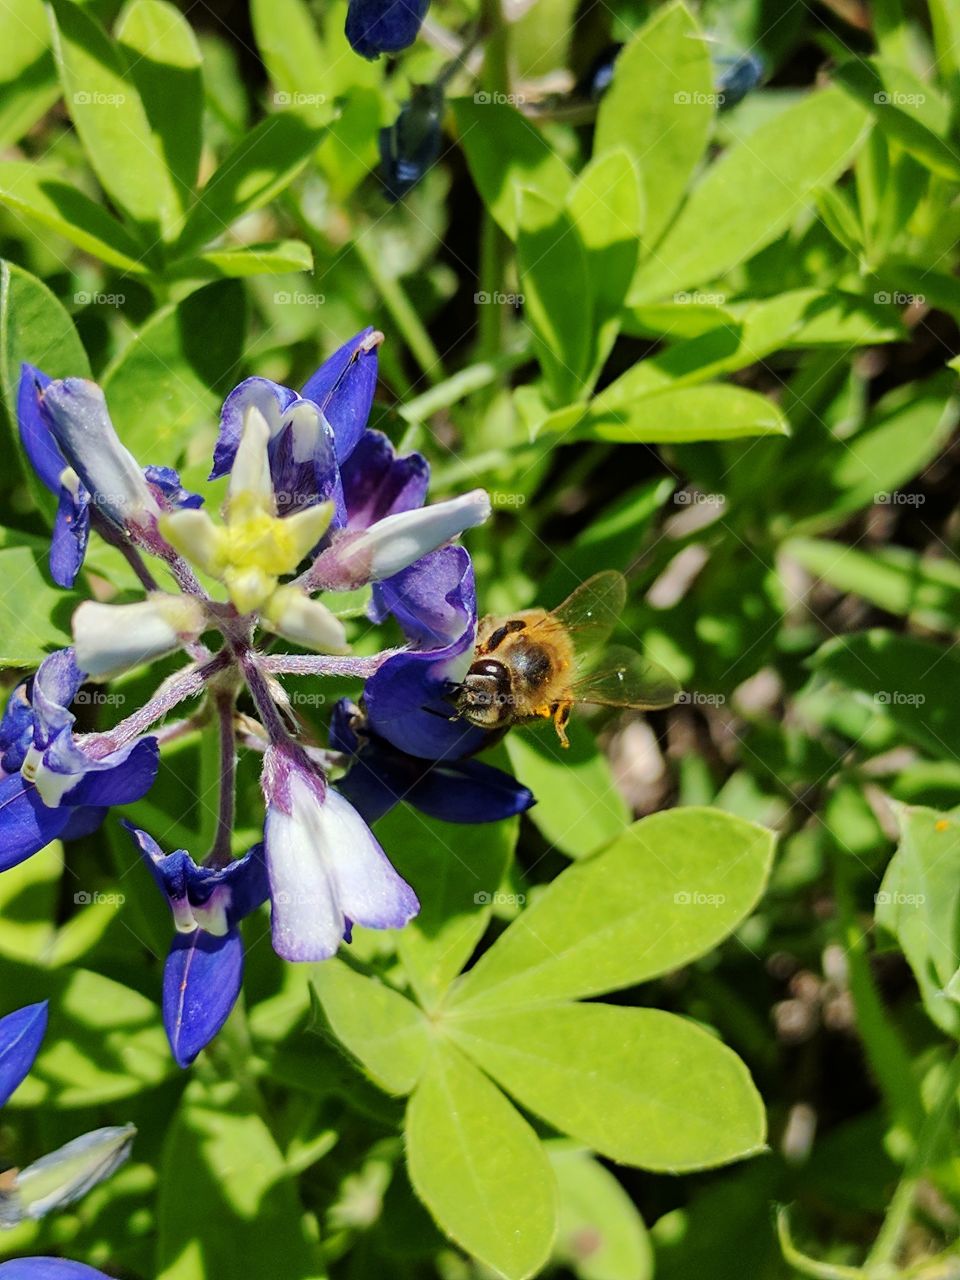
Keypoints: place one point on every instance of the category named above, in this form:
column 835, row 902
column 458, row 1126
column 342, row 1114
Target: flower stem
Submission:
column 267, row 709
column 494, row 245
column 221, row 851
column 308, row 664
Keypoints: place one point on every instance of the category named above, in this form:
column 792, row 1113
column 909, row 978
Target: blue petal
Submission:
column 405, row 704
column 16, row 728
column 384, row 26
column 35, row 436
column 83, row 822
column 21, row 1034
column 469, row 791
column 201, row 982
column 270, row 398
column 165, row 481
column 48, row 1269
column 343, row 388
column 376, row 483
column 55, row 686
column 71, row 530
column 125, row 782
column 26, row 824
column 434, row 600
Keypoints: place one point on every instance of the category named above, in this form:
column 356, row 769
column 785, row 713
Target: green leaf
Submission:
column 925, row 589
column 906, row 109
column 181, row 364
column 456, row 871
column 507, row 153
column 104, row 1042
column 479, row 1168
column 34, row 615
column 670, row 415
column 384, row 1030
column 294, row 54
column 165, row 65
column 259, row 167
column 28, row 905
column 639, row 1086
column 225, row 1194
column 274, row 258
column 109, row 115
column 601, row 1235
column 914, row 684
column 29, row 86
column 919, row 903
column 42, row 197
column 578, row 809
column 558, row 293
column 757, row 188
column 660, row 107
column 34, row 329
column 668, row 890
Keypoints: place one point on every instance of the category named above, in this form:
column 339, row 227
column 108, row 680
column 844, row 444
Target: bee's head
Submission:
column 484, row 696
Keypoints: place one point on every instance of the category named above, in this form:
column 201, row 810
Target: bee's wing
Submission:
column 624, row 678
column 593, row 610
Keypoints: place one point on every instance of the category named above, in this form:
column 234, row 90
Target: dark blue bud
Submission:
column 412, row 143
column 735, row 75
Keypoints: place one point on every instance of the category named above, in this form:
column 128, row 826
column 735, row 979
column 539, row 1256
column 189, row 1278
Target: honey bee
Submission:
column 537, row 665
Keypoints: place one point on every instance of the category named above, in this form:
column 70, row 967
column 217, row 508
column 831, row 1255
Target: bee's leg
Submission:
column 561, row 714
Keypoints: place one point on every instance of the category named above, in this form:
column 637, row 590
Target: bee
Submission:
column 538, row 665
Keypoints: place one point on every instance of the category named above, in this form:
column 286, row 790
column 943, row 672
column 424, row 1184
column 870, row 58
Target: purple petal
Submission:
column 35, row 436
column 26, row 824
column 343, row 388
column 21, row 1034
column 83, row 822
column 130, row 778
column 469, row 791
column 71, row 530
column 16, row 728
column 269, row 397
column 384, row 26
column 55, row 686
column 201, row 982
column 376, row 483
column 48, row 1269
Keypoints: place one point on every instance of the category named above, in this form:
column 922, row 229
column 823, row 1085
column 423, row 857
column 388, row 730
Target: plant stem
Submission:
column 887, row 1243
column 309, row 664
column 460, row 385
column 403, row 313
column 221, row 851
column 494, row 245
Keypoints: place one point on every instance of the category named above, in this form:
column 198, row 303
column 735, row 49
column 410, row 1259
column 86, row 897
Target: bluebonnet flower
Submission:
column 316, row 501
column 384, row 26
column 48, row 1269
column 736, row 75
column 204, row 968
column 68, row 436
column 412, row 143
column 53, row 784
column 63, row 1176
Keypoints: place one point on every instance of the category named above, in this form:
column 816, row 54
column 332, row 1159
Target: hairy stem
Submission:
column 308, row 664
column 220, row 851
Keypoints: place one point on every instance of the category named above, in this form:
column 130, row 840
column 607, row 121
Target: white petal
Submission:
column 398, row 540
column 191, row 532
column 111, row 638
column 306, row 921
column 250, row 473
column 63, row 1176
column 86, row 435
column 370, row 891
column 308, row 622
